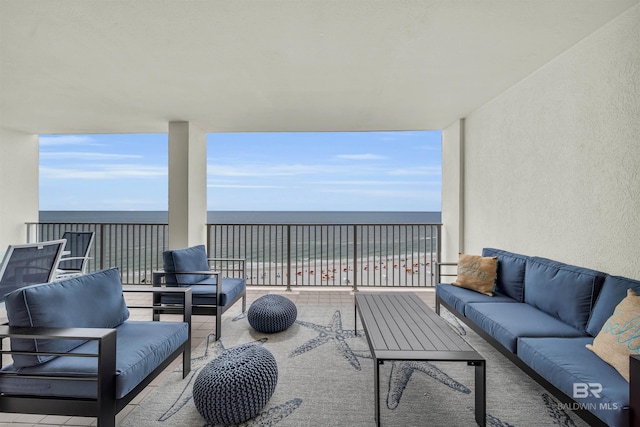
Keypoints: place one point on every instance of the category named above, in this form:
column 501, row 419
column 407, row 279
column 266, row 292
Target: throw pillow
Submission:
column 477, row 273
column 620, row 335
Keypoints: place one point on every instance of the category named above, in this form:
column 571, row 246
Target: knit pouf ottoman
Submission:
column 235, row 386
column 272, row 313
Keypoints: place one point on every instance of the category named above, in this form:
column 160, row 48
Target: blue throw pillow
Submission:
column 93, row 300
column 193, row 258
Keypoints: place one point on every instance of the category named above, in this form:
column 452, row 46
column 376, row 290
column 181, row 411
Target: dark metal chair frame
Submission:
column 159, row 280
column 105, row 406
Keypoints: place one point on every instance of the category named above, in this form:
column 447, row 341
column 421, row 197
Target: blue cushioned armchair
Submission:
column 76, row 352
column 191, row 267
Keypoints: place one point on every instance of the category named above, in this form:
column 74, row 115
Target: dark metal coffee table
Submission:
column 400, row 326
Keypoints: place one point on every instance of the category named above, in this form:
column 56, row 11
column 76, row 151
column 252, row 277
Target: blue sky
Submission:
column 330, row 171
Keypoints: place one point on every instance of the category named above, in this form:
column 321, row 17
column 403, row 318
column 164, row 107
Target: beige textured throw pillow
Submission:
column 620, row 336
column 477, row 273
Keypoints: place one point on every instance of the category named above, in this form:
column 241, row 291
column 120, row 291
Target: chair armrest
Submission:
column 440, row 274
column 27, row 332
column 242, row 269
column 186, row 295
column 106, row 353
column 157, row 276
column 73, row 258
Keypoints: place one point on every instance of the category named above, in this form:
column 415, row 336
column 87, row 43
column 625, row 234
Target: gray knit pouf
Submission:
column 272, row 313
column 235, row 386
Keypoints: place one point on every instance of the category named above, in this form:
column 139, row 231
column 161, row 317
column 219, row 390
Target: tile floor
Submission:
column 201, row 327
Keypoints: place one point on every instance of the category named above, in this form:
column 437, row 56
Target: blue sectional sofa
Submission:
column 76, row 353
column 541, row 317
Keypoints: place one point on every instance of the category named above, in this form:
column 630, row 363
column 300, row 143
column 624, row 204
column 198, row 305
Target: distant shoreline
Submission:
column 249, row 217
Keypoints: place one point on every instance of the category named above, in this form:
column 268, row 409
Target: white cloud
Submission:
column 242, row 186
column 361, row 156
column 67, row 140
column 364, row 182
column 418, row 170
column 262, row 170
column 104, row 172
column 385, row 193
column 84, row 155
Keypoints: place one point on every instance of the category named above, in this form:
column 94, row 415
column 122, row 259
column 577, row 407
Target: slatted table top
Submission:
column 400, row 326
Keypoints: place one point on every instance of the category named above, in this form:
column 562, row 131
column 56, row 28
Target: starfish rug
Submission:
column 326, row 378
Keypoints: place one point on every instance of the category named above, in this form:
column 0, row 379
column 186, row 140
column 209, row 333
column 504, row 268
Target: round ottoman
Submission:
column 272, row 313
column 235, row 386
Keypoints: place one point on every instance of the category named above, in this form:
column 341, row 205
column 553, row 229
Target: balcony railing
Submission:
column 291, row 255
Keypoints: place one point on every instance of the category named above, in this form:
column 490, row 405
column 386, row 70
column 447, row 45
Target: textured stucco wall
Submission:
column 552, row 166
column 19, row 163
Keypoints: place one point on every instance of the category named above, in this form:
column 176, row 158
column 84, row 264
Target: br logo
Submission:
column 583, row 390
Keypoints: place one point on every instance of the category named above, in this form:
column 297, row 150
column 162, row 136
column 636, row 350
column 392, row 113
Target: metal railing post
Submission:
column 102, row 245
column 438, row 250
column 355, row 258
column 288, row 271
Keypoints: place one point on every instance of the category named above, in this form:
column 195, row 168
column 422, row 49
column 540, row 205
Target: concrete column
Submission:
column 19, row 173
column 187, row 185
column 453, row 191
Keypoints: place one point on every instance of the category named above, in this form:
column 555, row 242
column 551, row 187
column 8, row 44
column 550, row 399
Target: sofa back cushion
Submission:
column 193, row 258
column 614, row 290
column 511, row 270
column 564, row 291
column 93, row 300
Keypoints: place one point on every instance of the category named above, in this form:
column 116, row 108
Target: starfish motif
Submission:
column 401, row 372
column 556, row 412
column 271, row 416
column 332, row 332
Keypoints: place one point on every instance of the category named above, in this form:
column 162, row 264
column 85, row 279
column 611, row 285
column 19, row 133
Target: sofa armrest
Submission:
column 106, row 354
column 440, row 274
column 634, row 389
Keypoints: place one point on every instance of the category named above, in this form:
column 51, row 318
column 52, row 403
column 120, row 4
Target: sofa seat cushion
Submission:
column 141, row 347
column 93, row 300
column 511, row 268
column 506, row 322
column 204, row 292
column 564, row 291
column 458, row 297
column 566, row 361
column 614, row 290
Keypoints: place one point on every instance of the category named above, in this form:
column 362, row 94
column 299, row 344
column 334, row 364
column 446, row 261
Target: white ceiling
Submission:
column 112, row 66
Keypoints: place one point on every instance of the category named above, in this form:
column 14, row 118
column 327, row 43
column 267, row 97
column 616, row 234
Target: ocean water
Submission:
column 248, row 217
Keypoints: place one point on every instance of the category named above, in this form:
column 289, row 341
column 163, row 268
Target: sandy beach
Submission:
column 412, row 270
